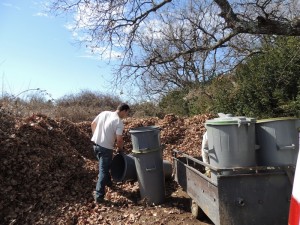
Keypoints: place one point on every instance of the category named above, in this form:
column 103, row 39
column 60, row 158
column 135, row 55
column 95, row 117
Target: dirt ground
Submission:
column 48, row 174
column 124, row 206
column 175, row 210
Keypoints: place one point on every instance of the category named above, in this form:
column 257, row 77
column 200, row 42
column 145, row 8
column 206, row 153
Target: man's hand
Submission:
column 120, row 150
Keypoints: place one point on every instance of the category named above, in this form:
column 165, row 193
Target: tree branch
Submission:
column 158, row 60
column 262, row 25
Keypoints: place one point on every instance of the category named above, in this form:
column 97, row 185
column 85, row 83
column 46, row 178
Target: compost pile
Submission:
column 184, row 134
column 48, row 173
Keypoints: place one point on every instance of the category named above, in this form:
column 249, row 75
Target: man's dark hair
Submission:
column 123, row 106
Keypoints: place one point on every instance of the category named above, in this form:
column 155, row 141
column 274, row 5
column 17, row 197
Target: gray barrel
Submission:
column 231, row 143
column 149, row 163
column 123, row 168
column 145, row 138
column 278, row 141
column 168, row 169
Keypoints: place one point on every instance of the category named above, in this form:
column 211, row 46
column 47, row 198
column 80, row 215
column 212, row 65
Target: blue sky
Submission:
column 37, row 51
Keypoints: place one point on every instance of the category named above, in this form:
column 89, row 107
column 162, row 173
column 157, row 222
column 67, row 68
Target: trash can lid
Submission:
column 276, row 119
column 230, row 120
column 144, row 129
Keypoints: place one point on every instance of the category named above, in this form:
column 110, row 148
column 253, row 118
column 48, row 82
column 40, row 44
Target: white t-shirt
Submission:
column 204, row 145
column 109, row 124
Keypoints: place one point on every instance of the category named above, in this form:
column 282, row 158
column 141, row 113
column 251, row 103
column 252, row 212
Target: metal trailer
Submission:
column 244, row 196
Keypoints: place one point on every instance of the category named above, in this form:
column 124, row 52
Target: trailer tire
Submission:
column 196, row 211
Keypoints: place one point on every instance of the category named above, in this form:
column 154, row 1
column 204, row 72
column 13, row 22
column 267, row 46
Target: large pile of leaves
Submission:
column 181, row 133
column 48, row 171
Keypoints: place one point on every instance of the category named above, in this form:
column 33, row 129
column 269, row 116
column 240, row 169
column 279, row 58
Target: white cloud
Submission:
column 85, row 18
column 113, row 54
column 101, row 54
column 11, row 6
column 40, row 14
column 7, row 4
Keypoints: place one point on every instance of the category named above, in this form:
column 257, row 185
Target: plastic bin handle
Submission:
column 150, row 169
column 145, row 150
column 286, row 147
column 247, row 122
column 206, row 150
column 298, row 124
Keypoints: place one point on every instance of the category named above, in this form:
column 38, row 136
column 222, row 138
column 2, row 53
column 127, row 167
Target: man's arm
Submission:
column 120, row 143
column 93, row 126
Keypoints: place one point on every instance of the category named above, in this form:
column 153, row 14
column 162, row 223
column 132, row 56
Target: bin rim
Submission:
column 237, row 120
column 143, row 129
column 146, row 150
column 276, row 119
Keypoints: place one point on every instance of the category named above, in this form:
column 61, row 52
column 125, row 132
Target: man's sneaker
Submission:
column 109, row 184
column 99, row 200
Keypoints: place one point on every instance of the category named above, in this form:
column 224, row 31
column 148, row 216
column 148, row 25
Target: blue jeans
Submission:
column 104, row 156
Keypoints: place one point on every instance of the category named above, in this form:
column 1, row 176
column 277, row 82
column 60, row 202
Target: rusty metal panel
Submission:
column 204, row 193
column 199, row 188
column 252, row 199
column 180, row 173
column 256, row 198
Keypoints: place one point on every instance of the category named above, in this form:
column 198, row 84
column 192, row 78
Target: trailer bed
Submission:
column 244, row 196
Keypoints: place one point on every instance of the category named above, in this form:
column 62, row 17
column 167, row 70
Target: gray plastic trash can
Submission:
column 149, row 163
column 168, row 169
column 144, row 138
column 231, row 142
column 278, row 139
column 123, row 168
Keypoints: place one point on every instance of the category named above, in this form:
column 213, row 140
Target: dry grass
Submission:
column 83, row 106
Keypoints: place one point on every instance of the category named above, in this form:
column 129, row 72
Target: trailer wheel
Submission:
column 197, row 212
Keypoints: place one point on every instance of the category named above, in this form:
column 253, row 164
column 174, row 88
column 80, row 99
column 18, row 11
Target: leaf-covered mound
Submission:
column 48, row 173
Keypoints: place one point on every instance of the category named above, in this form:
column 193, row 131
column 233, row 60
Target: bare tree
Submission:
column 171, row 43
column 157, row 68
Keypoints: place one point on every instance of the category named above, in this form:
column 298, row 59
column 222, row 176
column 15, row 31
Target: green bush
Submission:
column 175, row 102
column 146, row 109
column 269, row 82
column 265, row 85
